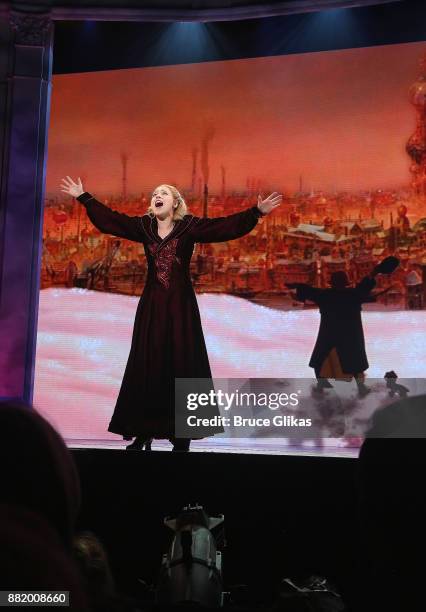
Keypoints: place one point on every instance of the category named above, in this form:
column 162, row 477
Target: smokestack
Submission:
column 223, row 171
column 205, row 200
column 194, row 168
column 205, row 169
column 124, row 159
column 205, row 141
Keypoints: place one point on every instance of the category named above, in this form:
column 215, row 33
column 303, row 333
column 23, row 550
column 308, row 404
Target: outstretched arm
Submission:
column 306, row 292
column 103, row 218
column 234, row 226
column 364, row 289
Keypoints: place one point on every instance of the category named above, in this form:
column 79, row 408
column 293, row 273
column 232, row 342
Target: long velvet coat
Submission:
column 167, row 340
column 341, row 324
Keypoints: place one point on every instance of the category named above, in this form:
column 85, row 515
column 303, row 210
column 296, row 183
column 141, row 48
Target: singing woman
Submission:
column 167, row 341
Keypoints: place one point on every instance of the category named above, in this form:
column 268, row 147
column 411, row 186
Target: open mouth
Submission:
column 158, row 204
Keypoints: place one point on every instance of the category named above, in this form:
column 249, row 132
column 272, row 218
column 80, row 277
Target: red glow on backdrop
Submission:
column 340, row 119
column 329, row 130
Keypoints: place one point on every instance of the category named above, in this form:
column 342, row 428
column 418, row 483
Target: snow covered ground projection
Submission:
column 84, row 338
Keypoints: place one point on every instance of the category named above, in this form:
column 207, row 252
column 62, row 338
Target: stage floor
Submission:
column 240, row 446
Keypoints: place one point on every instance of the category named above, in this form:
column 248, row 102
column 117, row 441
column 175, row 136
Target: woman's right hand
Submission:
column 73, row 189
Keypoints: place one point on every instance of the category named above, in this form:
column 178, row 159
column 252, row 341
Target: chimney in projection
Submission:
column 124, row 159
column 416, row 145
column 205, row 169
column 194, row 169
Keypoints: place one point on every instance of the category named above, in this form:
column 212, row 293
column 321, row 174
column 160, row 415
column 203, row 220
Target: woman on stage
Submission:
column 167, row 340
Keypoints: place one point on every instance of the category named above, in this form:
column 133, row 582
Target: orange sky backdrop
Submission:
column 338, row 118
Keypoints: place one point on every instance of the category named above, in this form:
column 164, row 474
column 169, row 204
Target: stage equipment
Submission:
column 314, row 593
column 191, row 570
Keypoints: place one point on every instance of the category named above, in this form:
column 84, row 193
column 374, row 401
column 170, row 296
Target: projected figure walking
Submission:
column 339, row 351
column 167, row 340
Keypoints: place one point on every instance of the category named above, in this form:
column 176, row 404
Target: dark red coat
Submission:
column 168, row 339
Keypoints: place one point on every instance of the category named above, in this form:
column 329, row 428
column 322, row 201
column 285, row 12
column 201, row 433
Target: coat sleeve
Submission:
column 306, row 292
column 109, row 221
column 363, row 289
column 225, row 228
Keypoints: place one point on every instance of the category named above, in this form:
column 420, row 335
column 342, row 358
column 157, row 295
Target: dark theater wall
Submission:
column 25, row 74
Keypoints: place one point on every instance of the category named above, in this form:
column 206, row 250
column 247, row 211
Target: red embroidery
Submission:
column 163, row 259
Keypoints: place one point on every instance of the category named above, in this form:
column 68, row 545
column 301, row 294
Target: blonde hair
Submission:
column 181, row 209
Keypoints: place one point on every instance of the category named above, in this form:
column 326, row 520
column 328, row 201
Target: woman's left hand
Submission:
column 271, row 202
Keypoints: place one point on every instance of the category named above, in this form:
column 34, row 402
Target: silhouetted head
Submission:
column 32, row 556
column 92, row 560
column 392, row 503
column 391, row 375
column 37, row 470
column 339, row 280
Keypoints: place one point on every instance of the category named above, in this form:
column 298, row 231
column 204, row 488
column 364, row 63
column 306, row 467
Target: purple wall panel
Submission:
column 22, row 201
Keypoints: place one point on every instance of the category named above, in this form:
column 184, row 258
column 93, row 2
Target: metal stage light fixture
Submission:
column 191, row 570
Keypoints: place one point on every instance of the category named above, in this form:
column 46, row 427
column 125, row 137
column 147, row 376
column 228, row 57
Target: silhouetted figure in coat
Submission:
column 339, row 351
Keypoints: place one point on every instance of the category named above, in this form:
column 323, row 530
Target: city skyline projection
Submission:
column 339, row 133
